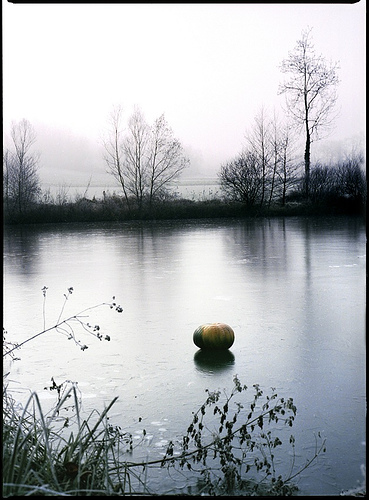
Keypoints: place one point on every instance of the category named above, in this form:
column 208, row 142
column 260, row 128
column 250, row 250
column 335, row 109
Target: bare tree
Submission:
column 276, row 156
column 136, row 151
column 259, row 142
column 113, row 149
column 288, row 168
column 242, row 179
column 146, row 158
column 8, row 173
column 166, row 158
column 271, row 143
column 310, row 93
column 22, row 185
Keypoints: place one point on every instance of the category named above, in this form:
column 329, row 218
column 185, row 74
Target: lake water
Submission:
column 199, row 189
column 293, row 290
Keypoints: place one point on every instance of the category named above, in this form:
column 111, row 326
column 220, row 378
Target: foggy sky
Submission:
column 209, row 68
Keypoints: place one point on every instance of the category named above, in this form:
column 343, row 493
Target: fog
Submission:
column 209, row 68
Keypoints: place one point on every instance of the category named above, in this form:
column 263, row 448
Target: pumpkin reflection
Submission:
column 213, row 361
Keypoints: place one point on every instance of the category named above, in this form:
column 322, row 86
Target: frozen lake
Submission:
column 293, row 290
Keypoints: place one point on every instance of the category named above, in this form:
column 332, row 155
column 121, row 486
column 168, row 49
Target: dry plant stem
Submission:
column 70, row 290
column 58, row 325
column 164, row 460
column 309, row 462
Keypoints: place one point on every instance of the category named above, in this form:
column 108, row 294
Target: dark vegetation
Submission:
column 339, row 190
column 265, row 179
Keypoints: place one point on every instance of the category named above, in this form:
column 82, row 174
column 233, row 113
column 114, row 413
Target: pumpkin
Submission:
column 213, row 336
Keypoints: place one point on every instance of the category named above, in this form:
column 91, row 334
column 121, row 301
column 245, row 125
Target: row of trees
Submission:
column 145, row 158
column 267, row 168
column 268, row 171
column 246, row 180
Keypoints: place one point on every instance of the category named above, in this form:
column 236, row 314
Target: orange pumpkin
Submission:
column 213, row 336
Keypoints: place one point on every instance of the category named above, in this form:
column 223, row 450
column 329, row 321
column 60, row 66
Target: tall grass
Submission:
column 53, row 455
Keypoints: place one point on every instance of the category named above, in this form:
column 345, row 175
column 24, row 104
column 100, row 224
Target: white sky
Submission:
column 208, row 67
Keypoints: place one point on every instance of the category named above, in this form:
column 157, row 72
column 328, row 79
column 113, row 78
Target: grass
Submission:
column 41, row 458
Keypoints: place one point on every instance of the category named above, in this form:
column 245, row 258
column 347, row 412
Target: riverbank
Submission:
column 115, row 210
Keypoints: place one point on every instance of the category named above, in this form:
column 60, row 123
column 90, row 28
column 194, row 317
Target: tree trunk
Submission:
column 307, row 163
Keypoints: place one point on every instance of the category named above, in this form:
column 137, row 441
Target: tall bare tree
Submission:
column 21, row 181
column 113, row 155
column 136, row 151
column 145, row 158
column 288, row 167
column 311, row 93
column 166, row 157
column 259, row 142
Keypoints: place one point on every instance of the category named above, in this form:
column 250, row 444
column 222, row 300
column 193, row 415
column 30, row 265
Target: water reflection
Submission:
column 213, row 361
